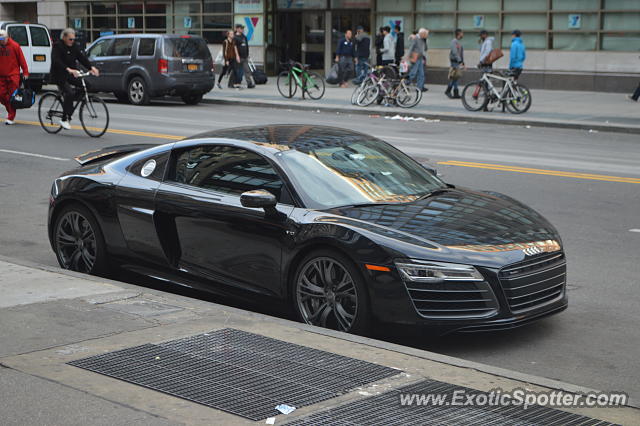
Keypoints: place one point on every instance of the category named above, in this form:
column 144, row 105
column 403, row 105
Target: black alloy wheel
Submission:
column 330, row 293
column 78, row 241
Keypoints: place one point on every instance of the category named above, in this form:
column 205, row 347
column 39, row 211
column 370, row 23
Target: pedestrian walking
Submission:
column 65, row 57
column 635, row 95
column 379, row 46
column 230, row 57
column 388, row 47
column 399, row 43
column 417, row 59
column 242, row 66
column 362, row 47
column 344, row 57
column 517, row 54
column 11, row 63
column 486, row 46
column 456, row 62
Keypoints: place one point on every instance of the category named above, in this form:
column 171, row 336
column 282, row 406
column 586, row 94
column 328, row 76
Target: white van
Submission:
column 35, row 41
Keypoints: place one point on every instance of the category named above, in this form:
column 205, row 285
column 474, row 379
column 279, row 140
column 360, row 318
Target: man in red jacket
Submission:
column 11, row 62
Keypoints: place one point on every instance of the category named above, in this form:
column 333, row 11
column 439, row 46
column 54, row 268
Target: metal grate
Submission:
column 238, row 372
column 386, row 409
column 534, row 282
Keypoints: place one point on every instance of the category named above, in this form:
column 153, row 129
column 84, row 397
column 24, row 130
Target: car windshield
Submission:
column 190, row 47
column 354, row 173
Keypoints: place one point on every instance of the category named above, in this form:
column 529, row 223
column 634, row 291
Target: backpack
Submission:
column 23, row 97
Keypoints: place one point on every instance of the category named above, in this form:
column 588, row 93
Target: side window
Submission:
column 122, row 47
column 147, row 47
column 101, row 48
column 227, row 169
column 151, row 167
column 19, row 34
column 39, row 37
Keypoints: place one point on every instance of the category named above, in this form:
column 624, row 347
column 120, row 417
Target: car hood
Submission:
column 456, row 219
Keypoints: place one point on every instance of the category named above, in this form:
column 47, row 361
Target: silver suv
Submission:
column 138, row 67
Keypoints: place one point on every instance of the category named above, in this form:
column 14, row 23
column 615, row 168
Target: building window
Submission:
column 206, row 18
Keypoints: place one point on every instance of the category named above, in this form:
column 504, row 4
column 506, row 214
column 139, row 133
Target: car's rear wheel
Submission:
column 78, row 241
column 138, row 92
column 330, row 292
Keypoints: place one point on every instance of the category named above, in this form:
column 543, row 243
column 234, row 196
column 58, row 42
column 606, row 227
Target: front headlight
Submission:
column 425, row 271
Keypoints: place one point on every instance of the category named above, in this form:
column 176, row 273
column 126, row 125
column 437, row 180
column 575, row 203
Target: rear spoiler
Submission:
column 110, row 152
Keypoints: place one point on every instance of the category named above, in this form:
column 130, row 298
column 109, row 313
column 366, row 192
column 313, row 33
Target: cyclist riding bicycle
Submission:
column 64, row 73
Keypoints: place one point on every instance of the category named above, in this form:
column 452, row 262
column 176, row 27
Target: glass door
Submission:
column 313, row 46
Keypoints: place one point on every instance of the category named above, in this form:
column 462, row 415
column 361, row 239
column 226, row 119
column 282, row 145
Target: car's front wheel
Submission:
column 330, row 292
column 78, row 241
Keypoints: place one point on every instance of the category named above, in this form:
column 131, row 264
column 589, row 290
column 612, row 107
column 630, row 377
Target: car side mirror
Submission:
column 258, row 198
column 431, row 169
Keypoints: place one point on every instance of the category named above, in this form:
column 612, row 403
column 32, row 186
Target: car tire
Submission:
column 192, row 98
column 339, row 302
column 75, row 223
column 137, row 91
column 122, row 97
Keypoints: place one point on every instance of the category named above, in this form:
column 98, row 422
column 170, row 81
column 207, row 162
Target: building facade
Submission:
column 574, row 44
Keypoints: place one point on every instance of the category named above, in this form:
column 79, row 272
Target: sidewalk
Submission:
column 550, row 108
column 237, row 361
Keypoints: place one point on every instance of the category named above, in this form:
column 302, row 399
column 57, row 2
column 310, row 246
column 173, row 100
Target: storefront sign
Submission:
column 575, row 21
column 131, row 22
column 254, row 28
column 187, row 22
column 249, row 6
column 302, row 4
column 478, row 21
column 77, row 23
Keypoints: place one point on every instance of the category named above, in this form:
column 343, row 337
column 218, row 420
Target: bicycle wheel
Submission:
column 314, row 85
column 408, row 96
column 50, row 109
column 359, row 88
column 94, row 116
column 368, row 96
column 287, row 84
column 521, row 101
column 475, row 96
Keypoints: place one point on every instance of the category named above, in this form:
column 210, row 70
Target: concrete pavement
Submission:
column 55, row 316
column 550, row 108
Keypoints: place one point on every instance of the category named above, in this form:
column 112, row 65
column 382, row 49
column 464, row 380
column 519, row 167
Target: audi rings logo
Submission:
column 532, row 251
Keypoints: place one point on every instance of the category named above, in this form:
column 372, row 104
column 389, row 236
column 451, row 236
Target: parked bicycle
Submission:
column 94, row 114
column 298, row 75
column 386, row 86
column 496, row 88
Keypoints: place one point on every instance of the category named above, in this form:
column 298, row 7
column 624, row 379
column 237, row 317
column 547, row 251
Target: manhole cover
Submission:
column 238, row 372
column 386, row 409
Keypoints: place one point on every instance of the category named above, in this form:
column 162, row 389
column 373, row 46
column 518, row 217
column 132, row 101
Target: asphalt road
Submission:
column 587, row 184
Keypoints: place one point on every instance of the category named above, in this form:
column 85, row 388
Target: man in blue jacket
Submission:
column 344, row 57
column 518, row 54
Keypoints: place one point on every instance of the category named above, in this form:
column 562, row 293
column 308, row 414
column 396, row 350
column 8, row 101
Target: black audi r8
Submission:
column 340, row 224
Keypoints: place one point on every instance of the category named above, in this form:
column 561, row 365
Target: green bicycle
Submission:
column 298, row 75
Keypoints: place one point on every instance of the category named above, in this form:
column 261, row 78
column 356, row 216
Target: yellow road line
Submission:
column 488, row 166
column 558, row 173
column 114, row 131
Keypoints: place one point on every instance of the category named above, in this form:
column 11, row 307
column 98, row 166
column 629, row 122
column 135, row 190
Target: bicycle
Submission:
column 298, row 75
column 479, row 94
column 386, row 87
column 94, row 114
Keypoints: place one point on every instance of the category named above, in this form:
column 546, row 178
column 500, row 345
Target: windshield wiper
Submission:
column 432, row 193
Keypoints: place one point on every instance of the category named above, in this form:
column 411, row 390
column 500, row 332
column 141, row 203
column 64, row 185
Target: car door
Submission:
column 40, row 50
column 115, row 65
column 19, row 34
column 98, row 54
column 215, row 236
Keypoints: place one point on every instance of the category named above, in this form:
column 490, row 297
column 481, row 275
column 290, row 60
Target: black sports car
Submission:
column 340, row 224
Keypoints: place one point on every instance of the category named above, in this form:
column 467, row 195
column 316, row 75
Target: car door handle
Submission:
column 126, row 62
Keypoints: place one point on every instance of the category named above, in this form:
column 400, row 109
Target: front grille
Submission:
column 534, row 282
column 453, row 299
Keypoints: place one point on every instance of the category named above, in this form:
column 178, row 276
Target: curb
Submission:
column 432, row 116
column 419, row 353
